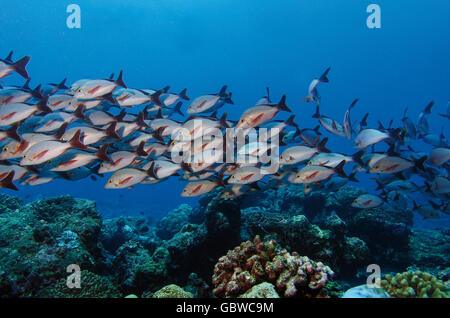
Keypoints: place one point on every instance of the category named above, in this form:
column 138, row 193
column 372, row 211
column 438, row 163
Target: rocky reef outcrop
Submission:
column 126, row 255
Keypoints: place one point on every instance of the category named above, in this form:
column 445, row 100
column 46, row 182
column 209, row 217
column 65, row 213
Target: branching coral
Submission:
column 255, row 262
column 415, row 284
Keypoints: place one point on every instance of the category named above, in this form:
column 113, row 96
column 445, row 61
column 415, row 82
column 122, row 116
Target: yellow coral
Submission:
column 415, row 284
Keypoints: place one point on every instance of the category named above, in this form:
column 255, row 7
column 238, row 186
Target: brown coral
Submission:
column 255, row 262
column 415, row 284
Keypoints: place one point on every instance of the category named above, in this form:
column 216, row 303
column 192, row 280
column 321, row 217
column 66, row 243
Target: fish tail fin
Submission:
column 352, row 175
column 12, row 133
column 281, row 142
column 42, row 105
column 183, row 94
column 140, row 121
column 214, row 114
column 36, row 92
column 79, row 112
column 354, row 103
column 339, row 169
column 282, row 104
column 26, row 85
column 419, row 163
column 398, row 135
column 75, row 142
column 151, row 171
column 324, row 77
column 109, row 98
column 7, row 182
column 177, row 108
column 317, row 113
column 157, row 134
column 427, row 109
column 120, row 81
column 159, row 113
column 223, row 91
column 321, row 146
column 61, row 130
column 290, row 121
column 20, row 66
column 62, row 84
column 380, row 185
column 140, row 150
column 111, row 131
column 121, row 115
column 102, row 153
column 223, row 121
column 228, row 99
column 357, row 157
column 9, row 57
column 156, row 95
column 185, row 166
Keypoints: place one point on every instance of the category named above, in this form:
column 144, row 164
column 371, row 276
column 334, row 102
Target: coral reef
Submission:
column 415, row 284
column 39, row 240
column 172, row 223
column 127, row 256
column 254, row 262
column 117, row 231
column 330, row 245
column 430, row 249
column 138, row 270
column 92, row 286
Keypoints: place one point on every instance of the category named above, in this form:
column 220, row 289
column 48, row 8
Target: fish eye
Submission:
column 233, row 176
column 102, row 165
column 5, row 148
column 242, row 120
column 79, row 90
column 281, row 157
column 110, row 181
column 24, row 155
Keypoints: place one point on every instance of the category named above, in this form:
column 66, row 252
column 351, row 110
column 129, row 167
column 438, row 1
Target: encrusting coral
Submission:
column 415, row 284
column 255, row 262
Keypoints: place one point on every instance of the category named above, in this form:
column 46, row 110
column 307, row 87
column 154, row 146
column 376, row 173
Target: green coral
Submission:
column 415, row 284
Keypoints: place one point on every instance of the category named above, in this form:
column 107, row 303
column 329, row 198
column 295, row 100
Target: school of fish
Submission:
column 100, row 126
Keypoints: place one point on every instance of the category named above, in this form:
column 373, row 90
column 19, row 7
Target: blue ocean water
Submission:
column 248, row 45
